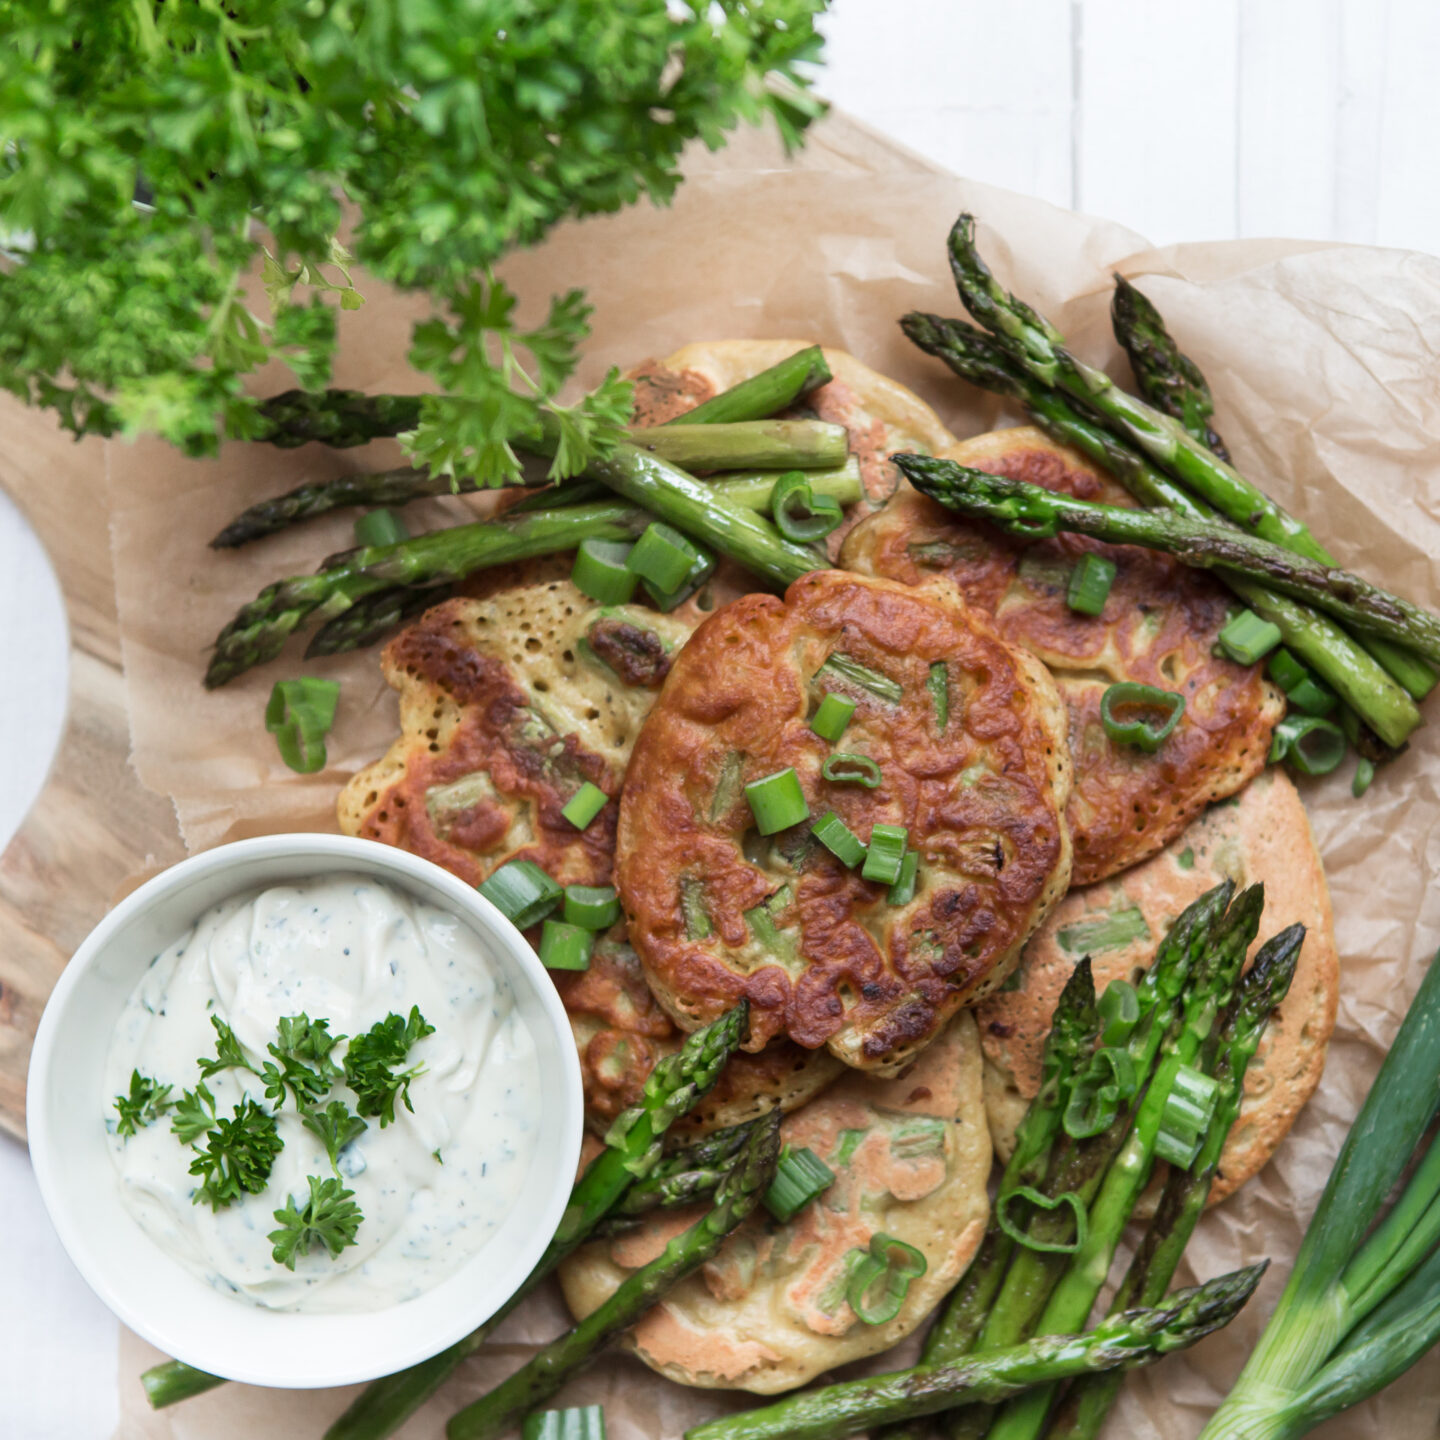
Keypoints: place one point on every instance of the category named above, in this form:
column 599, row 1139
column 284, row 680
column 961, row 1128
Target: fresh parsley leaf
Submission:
column 229, row 1053
column 455, row 133
column 145, row 1104
column 369, row 1062
column 335, row 1126
column 194, row 1115
column 330, row 1217
column 305, row 1068
column 238, row 1156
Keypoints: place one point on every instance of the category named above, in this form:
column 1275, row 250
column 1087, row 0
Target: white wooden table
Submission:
column 1315, row 119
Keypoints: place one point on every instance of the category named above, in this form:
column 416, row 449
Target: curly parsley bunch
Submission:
column 149, row 151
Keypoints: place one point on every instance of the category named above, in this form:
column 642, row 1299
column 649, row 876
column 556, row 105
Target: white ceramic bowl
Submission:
column 153, row 1293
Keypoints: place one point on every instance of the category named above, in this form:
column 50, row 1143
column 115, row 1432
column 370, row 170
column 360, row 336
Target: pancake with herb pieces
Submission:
column 957, row 742
column 1158, row 627
column 1261, row 834
column 911, row 1159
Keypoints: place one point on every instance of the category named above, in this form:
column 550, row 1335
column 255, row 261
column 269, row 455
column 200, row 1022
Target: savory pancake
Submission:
column 911, row 1158
column 879, row 415
column 1262, row 834
column 1158, row 628
column 966, row 735
column 508, row 703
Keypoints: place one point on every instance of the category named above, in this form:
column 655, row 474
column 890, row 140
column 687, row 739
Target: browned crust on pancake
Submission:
column 1262, row 835
column 872, row 981
column 1158, row 628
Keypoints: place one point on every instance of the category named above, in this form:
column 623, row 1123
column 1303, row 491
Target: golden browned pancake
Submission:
column 1262, row 834
column 879, row 415
column 911, row 1158
column 1158, row 628
column 508, row 703
column 979, row 781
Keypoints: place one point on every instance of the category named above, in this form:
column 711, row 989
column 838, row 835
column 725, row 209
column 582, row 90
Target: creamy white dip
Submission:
column 353, row 951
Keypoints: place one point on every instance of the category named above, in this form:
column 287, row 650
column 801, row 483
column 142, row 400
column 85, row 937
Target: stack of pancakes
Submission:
column 902, row 1040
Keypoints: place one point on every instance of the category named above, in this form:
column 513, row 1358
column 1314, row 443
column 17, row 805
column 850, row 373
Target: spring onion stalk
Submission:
column 1356, row 1311
column 585, row 804
column 592, row 907
column 1090, row 583
column 1034, row 344
column 601, row 571
column 798, row 512
column 1316, row 639
column 522, row 892
column 831, row 717
column 839, row 839
column 777, row 802
column 885, row 853
column 800, row 1176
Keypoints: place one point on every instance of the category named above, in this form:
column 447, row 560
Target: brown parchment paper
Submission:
column 1324, row 364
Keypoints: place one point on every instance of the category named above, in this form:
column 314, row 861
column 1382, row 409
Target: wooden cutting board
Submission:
column 94, row 825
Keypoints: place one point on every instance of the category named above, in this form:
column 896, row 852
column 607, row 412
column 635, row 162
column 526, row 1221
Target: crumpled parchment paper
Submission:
column 1325, row 362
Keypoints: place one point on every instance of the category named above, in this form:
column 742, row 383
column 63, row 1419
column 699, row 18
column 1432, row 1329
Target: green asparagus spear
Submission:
column 1035, row 512
column 1070, row 1302
column 1040, row 349
column 1183, row 969
column 673, row 1088
column 1316, row 639
column 765, row 394
column 1119, row 1342
column 1073, row 1029
column 1260, row 992
column 173, row 1381
column 370, row 619
column 543, row 1375
column 679, row 1179
column 338, row 418
column 342, row 418
column 746, row 445
column 1169, row 380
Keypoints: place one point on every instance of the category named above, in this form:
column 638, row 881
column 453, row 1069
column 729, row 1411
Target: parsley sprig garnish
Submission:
column 330, row 1217
column 369, row 1062
column 237, row 1156
column 145, row 1104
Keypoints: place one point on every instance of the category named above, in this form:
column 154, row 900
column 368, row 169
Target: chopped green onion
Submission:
column 702, row 566
column 523, row 893
column 800, row 1176
column 1312, row 745
column 1247, row 639
column 839, row 839
column 380, row 527
column 1096, row 1096
column 1018, row 1233
column 584, row 805
column 777, row 802
column 662, row 556
column 566, row 947
column 1119, row 1012
column 577, row 1424
column 1189, row 1107
column 1364, row 774
column 1148, row 731
column 1090, row 583
column 1310, row 697
column 938, row 684
column 591, row 907
column 894, row 1264
column 882, row 687
column 601, row 571
column 1285, row 670
column 298, row 714
column 850, row 1142
column 801, row 515
column 902, row 892
column 845, row 768
column 832, row 717
column 886, row 853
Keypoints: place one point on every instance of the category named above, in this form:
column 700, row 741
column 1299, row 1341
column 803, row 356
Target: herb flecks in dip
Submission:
column 441, row 1069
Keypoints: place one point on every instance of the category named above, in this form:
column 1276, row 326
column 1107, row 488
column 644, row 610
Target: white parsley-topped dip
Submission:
column 432, row 1186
